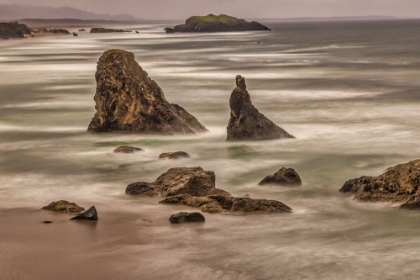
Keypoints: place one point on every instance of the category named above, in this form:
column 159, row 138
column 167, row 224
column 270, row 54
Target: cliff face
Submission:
column 127, row 100
column 220, row 23
column 246, row 122
column 13, row 30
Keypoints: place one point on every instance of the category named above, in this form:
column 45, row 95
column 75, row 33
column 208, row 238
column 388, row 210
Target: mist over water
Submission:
column 348, row 92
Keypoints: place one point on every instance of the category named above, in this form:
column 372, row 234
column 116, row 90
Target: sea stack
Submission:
column 246, row 122
column 127, row 100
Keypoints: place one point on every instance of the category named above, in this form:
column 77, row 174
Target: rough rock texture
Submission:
column 229, row 204
column 106, row 30
column 13, row 30
column 196, row 188
column 127, row 150
column 399, row 184
column 64, row 206
column 127, row 100
column 246, row 122
column 220, row 23
column 184, row 217
column 169, row 30
column 174, row 155
column 90, row 214
column 179, row 180
column 283, row 177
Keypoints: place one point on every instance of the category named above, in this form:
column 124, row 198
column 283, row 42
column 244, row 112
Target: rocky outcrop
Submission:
column 220, row 23
column 91, row 214
column 169, row 30
column 127, row 100
column 13, row 30
column 174, row 155
column 399, row 184
column 127, row 150
column 179, row 180
column 107, row 30
column 64, row 206
column 196, row 188
column 283, row 177
column 229, row 204
column 184, row 217
column 246, row 122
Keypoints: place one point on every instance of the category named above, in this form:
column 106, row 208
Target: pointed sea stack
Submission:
column 246, row 122
column 127, row 100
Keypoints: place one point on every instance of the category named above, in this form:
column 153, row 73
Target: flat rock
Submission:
column 127, row 150
column 184, row 217
column 179, row 180
column 246, row 122
column 127, row 100
column 283, row 177
column 64, row 206
column 174, row 155
column 90, row 214
column 399, row 184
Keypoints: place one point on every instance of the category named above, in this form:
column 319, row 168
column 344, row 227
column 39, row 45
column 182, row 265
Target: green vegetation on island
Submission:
column 220, row 23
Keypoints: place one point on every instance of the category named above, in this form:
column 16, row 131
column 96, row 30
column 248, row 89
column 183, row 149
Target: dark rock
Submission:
column 127, row 150
column 246, row 122
column 60, row 31
column 179, row 180
column 127, row 100
column 184, row 217
column 169, row 30
column 220, row 23
column 137, row 32
column 75, row 34
column 82, row 30
column 229, row 204
column 64, row 206
column 399, row 184
column 283, row 177
column 13, row 30
column 47, row 222
column 90, row 214
column 107, row 30
column 174, row 155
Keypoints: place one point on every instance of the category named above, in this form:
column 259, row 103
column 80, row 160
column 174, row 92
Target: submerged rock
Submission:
column 127, row 100
column 399, row 184
column 246, row 122
column 184, row 217
column 179, row 180
column 283, row 177
column 106, row 30
column 90, row 214
column 174, row 155
column 64, row 206
column 127, row 150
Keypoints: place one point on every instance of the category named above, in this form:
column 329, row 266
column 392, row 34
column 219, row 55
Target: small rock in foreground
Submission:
column 47, row 222
column 90, row 214
column 175, row 155
column 64, row 206
column 127, row 150
column 184, row 217
column 283, row 177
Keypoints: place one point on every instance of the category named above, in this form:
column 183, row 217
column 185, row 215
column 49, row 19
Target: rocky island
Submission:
column 13, row 30
column 220, row 23
column 127, row 100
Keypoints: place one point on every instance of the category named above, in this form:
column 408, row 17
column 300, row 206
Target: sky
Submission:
column 181, row 9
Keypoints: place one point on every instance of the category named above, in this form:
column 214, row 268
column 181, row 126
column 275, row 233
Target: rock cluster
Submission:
column 184, row 217
column 64, row 206
column 195, row 187
column 127, row 100
column 246, row 122
column 283, row 177
column 399, row 184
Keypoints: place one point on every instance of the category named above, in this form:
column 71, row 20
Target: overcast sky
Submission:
column 181, row 9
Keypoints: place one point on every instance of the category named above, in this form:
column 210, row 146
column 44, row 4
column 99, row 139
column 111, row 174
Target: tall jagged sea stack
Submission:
column 127, row 100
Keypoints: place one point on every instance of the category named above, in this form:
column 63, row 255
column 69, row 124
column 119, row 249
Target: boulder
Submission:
column 184, row 217
column 64, row 206
column 283, row 177
column 399, row 184
column 229, row 204
column 179, row 180
column 127, row 100
column 169, row 30
column 174, row 155
column 90, row 214
column 246, row 122
column 127, row 150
